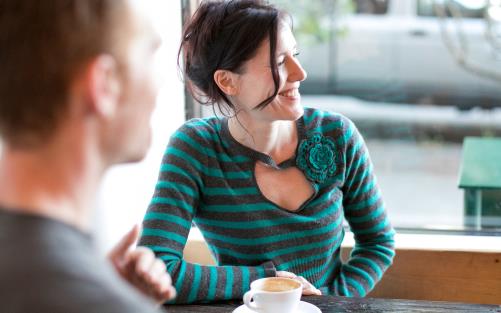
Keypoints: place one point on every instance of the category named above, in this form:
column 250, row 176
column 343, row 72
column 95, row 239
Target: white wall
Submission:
column 127, row 189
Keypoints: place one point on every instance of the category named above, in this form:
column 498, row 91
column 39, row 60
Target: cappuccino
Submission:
column 274, row 295
column 279, row 285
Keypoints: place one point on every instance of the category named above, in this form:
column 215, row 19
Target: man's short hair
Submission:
column 43, row 45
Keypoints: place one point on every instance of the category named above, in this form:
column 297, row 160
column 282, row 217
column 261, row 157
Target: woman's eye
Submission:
column 281, row 62
column 296, row 54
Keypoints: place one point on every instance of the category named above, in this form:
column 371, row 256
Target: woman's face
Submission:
column 256, row 84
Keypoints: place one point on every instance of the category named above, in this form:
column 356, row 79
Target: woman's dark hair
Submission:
column 223, row 35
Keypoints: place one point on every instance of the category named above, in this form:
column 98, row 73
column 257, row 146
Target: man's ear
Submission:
column 227, row 81
column 103, row 85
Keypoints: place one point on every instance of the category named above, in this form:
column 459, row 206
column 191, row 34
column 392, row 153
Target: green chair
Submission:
column 480, row 177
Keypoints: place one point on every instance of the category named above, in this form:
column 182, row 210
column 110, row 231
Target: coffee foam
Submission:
column 279, row 284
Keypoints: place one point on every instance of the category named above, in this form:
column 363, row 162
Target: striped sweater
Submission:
column 207, row 178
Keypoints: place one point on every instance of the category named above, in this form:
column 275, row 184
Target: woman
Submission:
column 268, row 186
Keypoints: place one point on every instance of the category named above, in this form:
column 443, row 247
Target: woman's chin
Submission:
column 294, row 112
column 288, row 110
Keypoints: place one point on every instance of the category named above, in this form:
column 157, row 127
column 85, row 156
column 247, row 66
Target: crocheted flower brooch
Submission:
column 317, row 158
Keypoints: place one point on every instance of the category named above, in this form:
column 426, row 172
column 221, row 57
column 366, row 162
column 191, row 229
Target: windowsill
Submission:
column 421, row 242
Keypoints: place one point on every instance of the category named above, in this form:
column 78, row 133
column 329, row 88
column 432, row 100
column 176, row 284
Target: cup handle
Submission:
column 248, row 300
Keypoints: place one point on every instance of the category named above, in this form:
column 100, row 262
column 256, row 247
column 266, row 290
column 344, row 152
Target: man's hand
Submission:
column 308, row 288
column 139, row 267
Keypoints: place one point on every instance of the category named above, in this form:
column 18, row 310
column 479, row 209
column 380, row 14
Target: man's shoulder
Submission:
column 46, row 289
column 51, row 267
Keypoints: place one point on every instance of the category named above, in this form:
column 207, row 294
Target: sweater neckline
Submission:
column 239, row 148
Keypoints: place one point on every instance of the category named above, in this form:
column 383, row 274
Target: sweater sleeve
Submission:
column 366, row 215
column 169, row 217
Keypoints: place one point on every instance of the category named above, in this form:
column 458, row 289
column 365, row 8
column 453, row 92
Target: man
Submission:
column 76, row 96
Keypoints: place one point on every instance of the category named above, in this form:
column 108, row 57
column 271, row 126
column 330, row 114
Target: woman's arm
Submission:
column 365, row 212
column 169, row 218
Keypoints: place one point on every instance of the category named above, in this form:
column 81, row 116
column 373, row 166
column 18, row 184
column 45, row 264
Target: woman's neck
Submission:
column 277, row 139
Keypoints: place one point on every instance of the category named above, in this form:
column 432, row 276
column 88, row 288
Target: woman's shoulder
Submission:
column 200, row 129
column 327, row 122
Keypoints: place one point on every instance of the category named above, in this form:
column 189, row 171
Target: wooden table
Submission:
column 331, row 304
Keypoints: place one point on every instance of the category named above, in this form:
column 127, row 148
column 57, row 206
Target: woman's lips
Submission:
column 290, row 93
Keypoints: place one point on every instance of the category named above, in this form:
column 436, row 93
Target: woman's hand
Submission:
column 308, row 288
column 139, row 267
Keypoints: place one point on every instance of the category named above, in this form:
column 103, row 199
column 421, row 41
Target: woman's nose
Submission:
column 295, row 70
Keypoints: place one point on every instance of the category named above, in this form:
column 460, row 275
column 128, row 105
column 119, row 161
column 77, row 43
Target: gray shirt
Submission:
column 48, row 266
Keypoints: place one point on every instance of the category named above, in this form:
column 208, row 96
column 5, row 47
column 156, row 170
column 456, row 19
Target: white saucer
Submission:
column 304, row 307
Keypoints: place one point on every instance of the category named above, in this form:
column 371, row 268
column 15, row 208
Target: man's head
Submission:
column 96, row 54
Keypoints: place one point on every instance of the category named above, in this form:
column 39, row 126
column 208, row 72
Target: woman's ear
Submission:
column 227, row 81
column 103, row 85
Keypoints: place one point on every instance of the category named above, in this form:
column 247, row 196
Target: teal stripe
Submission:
column 251, row 207
column 373, row 247
column 324, row 198
column 360, row 289
column 248, row 224
column 373, row 215
column 260, row 272
column 373, row 265
column 167, row 218
column 385, row 249
column 365, row 189
column 176, row 186
column 200, row 127
column 194, row 144
column 180, row 277
column 229, row 283
column 352, row 151
column 245, row 278
column 188, row 158
column 361, row 273
column 364, row 169
column 272, row 239
column 205, row 123
column 164, row 234
column 350, row 130
column 278, row 252
column 385, row 258
column 178, row 203
column 363, row 175
column 197, row 275
column 364, row 203
column 170, row 266
column 232, row 192
column 161, row 249
column 208, row 171
column 170, row 168
column 344, row 286
column 269, row 222
column 211, row 292
column 167, row 258
column 374, row 229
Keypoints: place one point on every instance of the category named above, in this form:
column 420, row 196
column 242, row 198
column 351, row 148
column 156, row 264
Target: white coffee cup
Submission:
column 274, row 295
